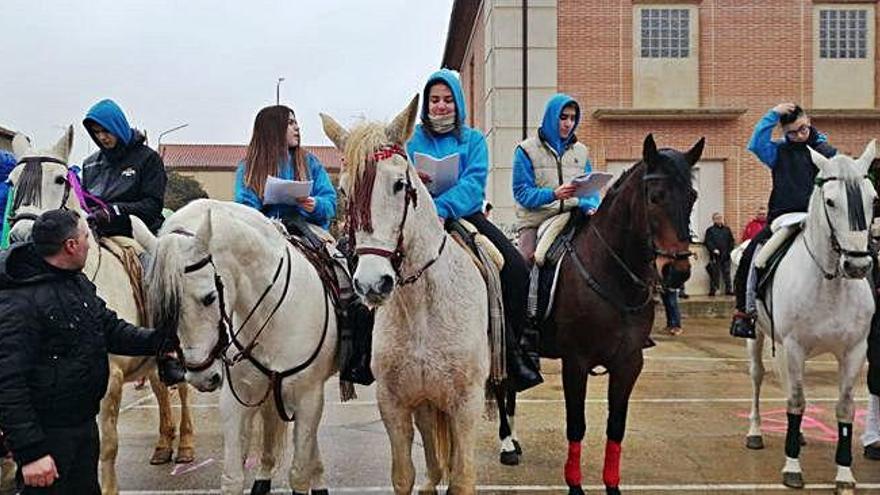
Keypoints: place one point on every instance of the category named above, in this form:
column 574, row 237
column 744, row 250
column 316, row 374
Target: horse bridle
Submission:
column 39, row 160
column 662, row 253
column 397, row 256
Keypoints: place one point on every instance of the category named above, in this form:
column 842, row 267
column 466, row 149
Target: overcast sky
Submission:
column 212, row 63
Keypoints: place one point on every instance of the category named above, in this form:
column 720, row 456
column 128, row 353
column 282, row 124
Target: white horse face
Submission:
column 847, row 198
column 199, row 329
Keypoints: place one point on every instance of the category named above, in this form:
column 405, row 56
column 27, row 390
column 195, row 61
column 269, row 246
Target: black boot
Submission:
column 520, row 374
column 171, row 370
column 743, row 325
column 359, row 320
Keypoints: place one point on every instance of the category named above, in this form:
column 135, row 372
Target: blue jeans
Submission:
column 670, row 304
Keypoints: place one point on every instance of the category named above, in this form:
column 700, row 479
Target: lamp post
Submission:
column 167, row 131
column 278, row 91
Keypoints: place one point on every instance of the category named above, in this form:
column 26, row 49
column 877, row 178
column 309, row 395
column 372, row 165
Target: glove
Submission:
column 102, row 217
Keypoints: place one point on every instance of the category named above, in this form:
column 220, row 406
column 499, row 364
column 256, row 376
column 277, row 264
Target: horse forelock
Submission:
column 360, row 171
column 29, row 186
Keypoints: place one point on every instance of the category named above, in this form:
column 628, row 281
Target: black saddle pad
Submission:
column 765, row 275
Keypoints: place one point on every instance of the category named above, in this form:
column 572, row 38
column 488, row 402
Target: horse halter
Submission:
column 835, row 243
column 410, row 197
column 36, row 161
column 662, row 253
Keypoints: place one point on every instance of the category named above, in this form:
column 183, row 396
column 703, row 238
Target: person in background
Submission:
column 719, row 242
column 755, row 225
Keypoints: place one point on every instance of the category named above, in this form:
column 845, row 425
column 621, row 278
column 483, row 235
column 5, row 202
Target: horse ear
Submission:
column 203, row 234
column 819, row 159
column 64, row 145
column 21, row 145
column 401, row 128
column 693, row 155
column 649, row 150
column 868, row 156
column 142, row 235
column 334, row 131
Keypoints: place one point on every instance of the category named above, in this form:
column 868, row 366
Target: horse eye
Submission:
column 830, row 203
column 398, row 185
column 209, row 299
column 657, row 197
column 60, row 180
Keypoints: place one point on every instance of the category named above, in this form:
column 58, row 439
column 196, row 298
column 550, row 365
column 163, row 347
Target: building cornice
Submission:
column 668, row 113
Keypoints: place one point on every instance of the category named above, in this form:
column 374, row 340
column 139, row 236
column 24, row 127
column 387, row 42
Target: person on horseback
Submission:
column 443, row 132
column 543, row 168
column 125, row 174
column 793, row 174
column 275, row 150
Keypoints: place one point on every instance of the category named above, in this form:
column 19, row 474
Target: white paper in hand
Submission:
column 285, row 192
column 443, row 172
column 591, row 183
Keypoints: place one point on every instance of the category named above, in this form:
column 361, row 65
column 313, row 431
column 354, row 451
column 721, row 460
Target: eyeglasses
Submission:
column 804, row 129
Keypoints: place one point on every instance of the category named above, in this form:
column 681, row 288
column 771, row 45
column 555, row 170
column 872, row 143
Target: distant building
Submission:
column 6, row 136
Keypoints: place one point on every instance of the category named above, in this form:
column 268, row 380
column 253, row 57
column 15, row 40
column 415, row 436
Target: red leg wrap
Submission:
column 573, row 464
column 611, row 473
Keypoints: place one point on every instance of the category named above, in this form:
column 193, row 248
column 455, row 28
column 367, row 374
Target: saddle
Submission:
column 785, row 231
column 548, row 233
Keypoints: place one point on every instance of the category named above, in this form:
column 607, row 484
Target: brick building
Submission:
column 678, row 69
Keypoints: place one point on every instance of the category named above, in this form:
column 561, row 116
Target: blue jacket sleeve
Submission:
column 592, row 201
column 323, row 192
column 761, row 143
column 466, row 196
column 244, row 194
column 525, row 192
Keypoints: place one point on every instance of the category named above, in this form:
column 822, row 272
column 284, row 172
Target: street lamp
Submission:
column 167, row 131
column 278, row 91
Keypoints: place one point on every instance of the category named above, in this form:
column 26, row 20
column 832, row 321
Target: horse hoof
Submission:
column 793, row 480
column 509, row 458
column 612, row 490
column 575, row 490
column 755, row 442
column 261, row 487
column 844, row 488
column 427, row 490
column 161, row 455
column 185, row 456
column 320, row 491
column 517, row 447
column 298, row 493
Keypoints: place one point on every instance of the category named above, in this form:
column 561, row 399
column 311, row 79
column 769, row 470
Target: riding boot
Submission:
column 743, row 325
column 529, row 343
column 521, row 371
column 358, row 321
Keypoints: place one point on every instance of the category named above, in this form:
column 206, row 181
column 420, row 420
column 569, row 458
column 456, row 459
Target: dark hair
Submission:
column 268, row 146
column 52, row 229
column 788, row 118
column 426, row 121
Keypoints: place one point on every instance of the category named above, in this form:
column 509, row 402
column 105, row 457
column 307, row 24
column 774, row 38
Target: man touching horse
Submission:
column 54, row 339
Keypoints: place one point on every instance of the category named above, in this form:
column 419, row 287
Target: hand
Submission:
column 564, row 191
column 307, row 203
column 426, row 179
column 716, row 251
column 41, row 473
column 591, row 211
column 784, row 108
column 101, row 217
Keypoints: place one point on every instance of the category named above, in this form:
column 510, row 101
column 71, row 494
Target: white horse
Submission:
column 820, row 302
column 430, row 346
column 215, row 257
column 46, row 185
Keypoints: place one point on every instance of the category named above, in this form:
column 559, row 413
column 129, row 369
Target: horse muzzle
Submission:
column 374, row 292
column 674, row 276
column 856, row 267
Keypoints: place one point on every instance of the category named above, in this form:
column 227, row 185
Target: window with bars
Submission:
column 843, row 33
column 665, row 33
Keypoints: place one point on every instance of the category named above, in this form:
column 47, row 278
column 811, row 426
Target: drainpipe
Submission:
column 525, row 69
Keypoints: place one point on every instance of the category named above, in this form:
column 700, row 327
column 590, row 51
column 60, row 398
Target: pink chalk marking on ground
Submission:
column 813, row 428
column 181, row 469
column 250, row 463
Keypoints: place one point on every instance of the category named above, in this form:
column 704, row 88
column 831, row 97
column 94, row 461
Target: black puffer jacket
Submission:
column 130, row 178
column 55, row 333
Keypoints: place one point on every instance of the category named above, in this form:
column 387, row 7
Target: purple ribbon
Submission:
column 84, row 197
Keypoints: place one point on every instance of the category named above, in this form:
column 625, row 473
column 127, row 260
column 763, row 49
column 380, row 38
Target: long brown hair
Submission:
column 268, row 147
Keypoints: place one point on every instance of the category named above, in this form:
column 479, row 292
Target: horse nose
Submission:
column 386, row 284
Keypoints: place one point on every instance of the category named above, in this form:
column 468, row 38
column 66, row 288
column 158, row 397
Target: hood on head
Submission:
column 107, row 114
column 449, row 78
column 550, row 126
column 7, row 163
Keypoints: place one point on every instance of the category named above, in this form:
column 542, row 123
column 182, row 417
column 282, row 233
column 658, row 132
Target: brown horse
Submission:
column 605, row 294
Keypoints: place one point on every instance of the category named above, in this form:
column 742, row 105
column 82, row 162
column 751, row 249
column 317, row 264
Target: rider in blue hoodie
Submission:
column 125, row 173
column 543, row 168
column 443, row 132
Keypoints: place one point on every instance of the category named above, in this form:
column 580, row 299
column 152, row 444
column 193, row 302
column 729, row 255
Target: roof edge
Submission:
column 462, row 17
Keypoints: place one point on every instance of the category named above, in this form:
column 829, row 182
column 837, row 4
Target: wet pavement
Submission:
column 686, row 431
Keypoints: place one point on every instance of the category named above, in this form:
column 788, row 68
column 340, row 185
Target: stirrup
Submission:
column 743, row 325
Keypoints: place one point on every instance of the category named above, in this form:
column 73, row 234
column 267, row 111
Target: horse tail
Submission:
column 442, row 440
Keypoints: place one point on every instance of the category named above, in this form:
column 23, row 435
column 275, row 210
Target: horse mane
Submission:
column 164, row 286
column 360, row 171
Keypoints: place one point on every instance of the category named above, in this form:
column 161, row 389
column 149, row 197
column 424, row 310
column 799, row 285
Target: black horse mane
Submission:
column 30, row 183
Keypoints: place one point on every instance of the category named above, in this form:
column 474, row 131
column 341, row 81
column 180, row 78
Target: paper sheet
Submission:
column 591, row 183
column 443, row 171
column 285, row 192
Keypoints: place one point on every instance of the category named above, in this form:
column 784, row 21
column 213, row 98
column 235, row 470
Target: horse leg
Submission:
column 620, row 386
column 274, row 438
column 109, row 435
column 309, row 406
column 186, row 450
column 164, row 450
column 508, row 455
column 399, row 425
column 511, row 418
column 574, row 386
column 755, row 348
column 7, row 476
column 849, row 366
column 237, row 423
column 462, row 423
column 425, row 416
column 792, row 476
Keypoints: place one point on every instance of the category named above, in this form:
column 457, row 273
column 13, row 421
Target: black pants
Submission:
column 75, row 452
column 719, row 270
column 874, row 336
column 742, row 271
column 514, row 277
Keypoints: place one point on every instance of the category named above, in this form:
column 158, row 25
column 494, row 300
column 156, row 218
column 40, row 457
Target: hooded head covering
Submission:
column 107, row 114
column 448, row 78
column 549, row 130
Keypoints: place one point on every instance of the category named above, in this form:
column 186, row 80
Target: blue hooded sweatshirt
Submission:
column 525, row 191
column 322, row 191
column 466, row 196
column 7, row 163
column 108, row 115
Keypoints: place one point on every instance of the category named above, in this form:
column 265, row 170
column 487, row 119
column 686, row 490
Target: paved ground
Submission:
column 685, row 433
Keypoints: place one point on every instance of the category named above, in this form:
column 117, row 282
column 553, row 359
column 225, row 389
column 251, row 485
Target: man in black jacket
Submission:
column 124, row 172
column 719, row 242
column 55, row 335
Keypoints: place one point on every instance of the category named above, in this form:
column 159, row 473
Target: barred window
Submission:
column 843, row 33
column 665, row 33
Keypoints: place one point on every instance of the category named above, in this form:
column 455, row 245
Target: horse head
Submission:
column 841, row 208
column 384, row 192
column 40, row 182
column 669, row 199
